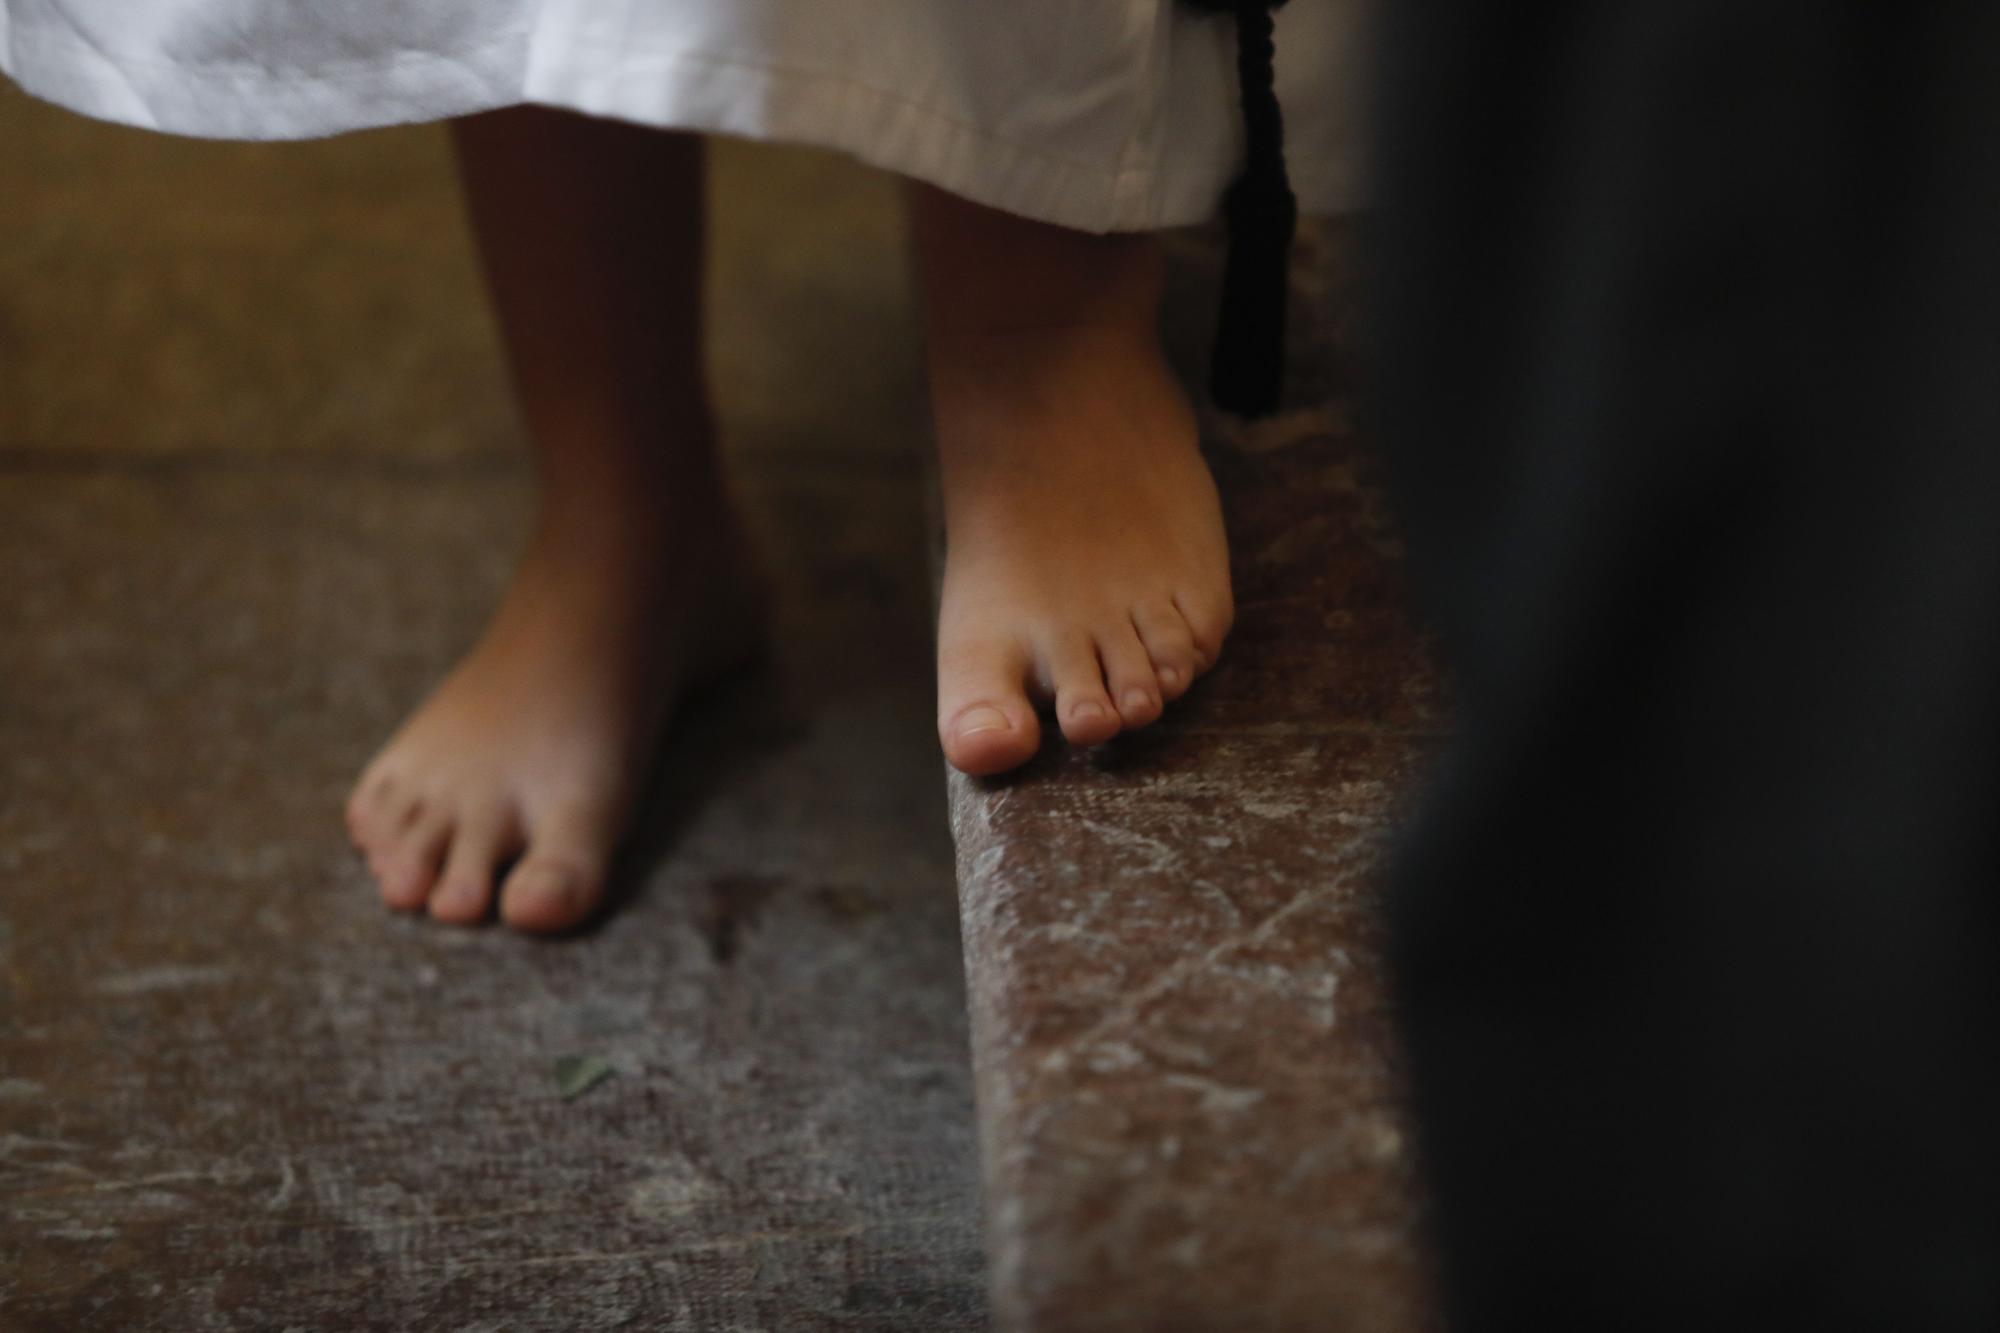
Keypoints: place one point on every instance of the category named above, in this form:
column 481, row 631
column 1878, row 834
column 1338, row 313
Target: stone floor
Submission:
column 258, row 484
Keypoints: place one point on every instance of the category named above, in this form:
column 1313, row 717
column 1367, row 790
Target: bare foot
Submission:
column 537, row 743
column 1086, row 563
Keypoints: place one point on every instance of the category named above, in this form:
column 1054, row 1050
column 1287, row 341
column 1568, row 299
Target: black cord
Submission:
column 1247, row 364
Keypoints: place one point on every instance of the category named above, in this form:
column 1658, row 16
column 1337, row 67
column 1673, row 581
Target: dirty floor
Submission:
column 259, row 483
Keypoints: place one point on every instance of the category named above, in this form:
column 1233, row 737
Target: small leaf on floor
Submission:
column 578, row 1074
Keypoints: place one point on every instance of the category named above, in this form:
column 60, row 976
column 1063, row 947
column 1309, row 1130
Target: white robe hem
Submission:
column 685, row 90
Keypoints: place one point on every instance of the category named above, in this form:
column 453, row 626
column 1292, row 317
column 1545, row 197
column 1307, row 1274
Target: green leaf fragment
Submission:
column 578, row 1074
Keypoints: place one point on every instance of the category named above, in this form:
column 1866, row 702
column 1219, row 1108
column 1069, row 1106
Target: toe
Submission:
column 1169, row 643
column 560, row 880
column 1208, row 621
column 406, row 861
column 484, row 837
column 1083, row 709
column 985, row 721
column 1129, row 676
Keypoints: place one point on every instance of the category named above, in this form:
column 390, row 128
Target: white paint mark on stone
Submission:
column 81, row 1233
column 220, row 1175
column 287, row 1184
column 675, row 1186
column 1160, row 855
column 1187, row 1054
column 1380, row 1141
column 12, row 1145
column 1113, row 1057
column 1172, row 976
column 1217, row 1098
column 987, row 861
column 1068, row 932
column 1214, row 892
column 1318, row 991
column 170, row 976
column 159, row 1200
column 1273, row 809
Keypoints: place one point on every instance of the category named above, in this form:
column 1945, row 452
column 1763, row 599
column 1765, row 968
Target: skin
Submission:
column 1086, row 567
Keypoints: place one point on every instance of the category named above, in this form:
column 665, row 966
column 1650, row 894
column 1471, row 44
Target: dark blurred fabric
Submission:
column 1687, row 333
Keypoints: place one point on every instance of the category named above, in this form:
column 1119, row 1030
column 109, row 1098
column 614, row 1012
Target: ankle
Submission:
column 986, row 272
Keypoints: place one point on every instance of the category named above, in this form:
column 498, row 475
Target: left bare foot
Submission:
column 536, row 745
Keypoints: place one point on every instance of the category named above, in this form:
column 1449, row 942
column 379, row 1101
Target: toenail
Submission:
column 1170, row 677
column 1088, row 708
column 982, row 719
column 1138, row 700
column 551, row 884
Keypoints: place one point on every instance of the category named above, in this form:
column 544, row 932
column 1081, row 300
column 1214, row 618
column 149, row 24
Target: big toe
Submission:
column 559, row 884
column 985, row 721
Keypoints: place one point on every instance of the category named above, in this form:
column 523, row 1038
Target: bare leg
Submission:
column 1086, row 564
column 635, row 582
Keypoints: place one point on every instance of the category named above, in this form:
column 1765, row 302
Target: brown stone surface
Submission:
column 257, row 487
column 1188, row 1113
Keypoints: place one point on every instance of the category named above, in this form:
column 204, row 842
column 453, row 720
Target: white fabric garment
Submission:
column 1098, row 114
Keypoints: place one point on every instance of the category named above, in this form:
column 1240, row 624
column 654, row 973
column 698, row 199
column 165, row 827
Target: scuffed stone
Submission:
column 1188, row 1110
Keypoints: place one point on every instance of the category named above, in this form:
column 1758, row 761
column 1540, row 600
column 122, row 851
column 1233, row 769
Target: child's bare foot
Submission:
column 636, row 583
column 1086, row 563
column 537, row 743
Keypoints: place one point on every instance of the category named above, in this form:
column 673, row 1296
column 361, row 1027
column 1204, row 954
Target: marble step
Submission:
column 1188, row 1108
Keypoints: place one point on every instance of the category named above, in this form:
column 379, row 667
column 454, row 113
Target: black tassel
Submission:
column 1247, row 365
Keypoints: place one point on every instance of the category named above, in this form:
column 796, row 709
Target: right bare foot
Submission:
column 536, row 745
column 1086, row 564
